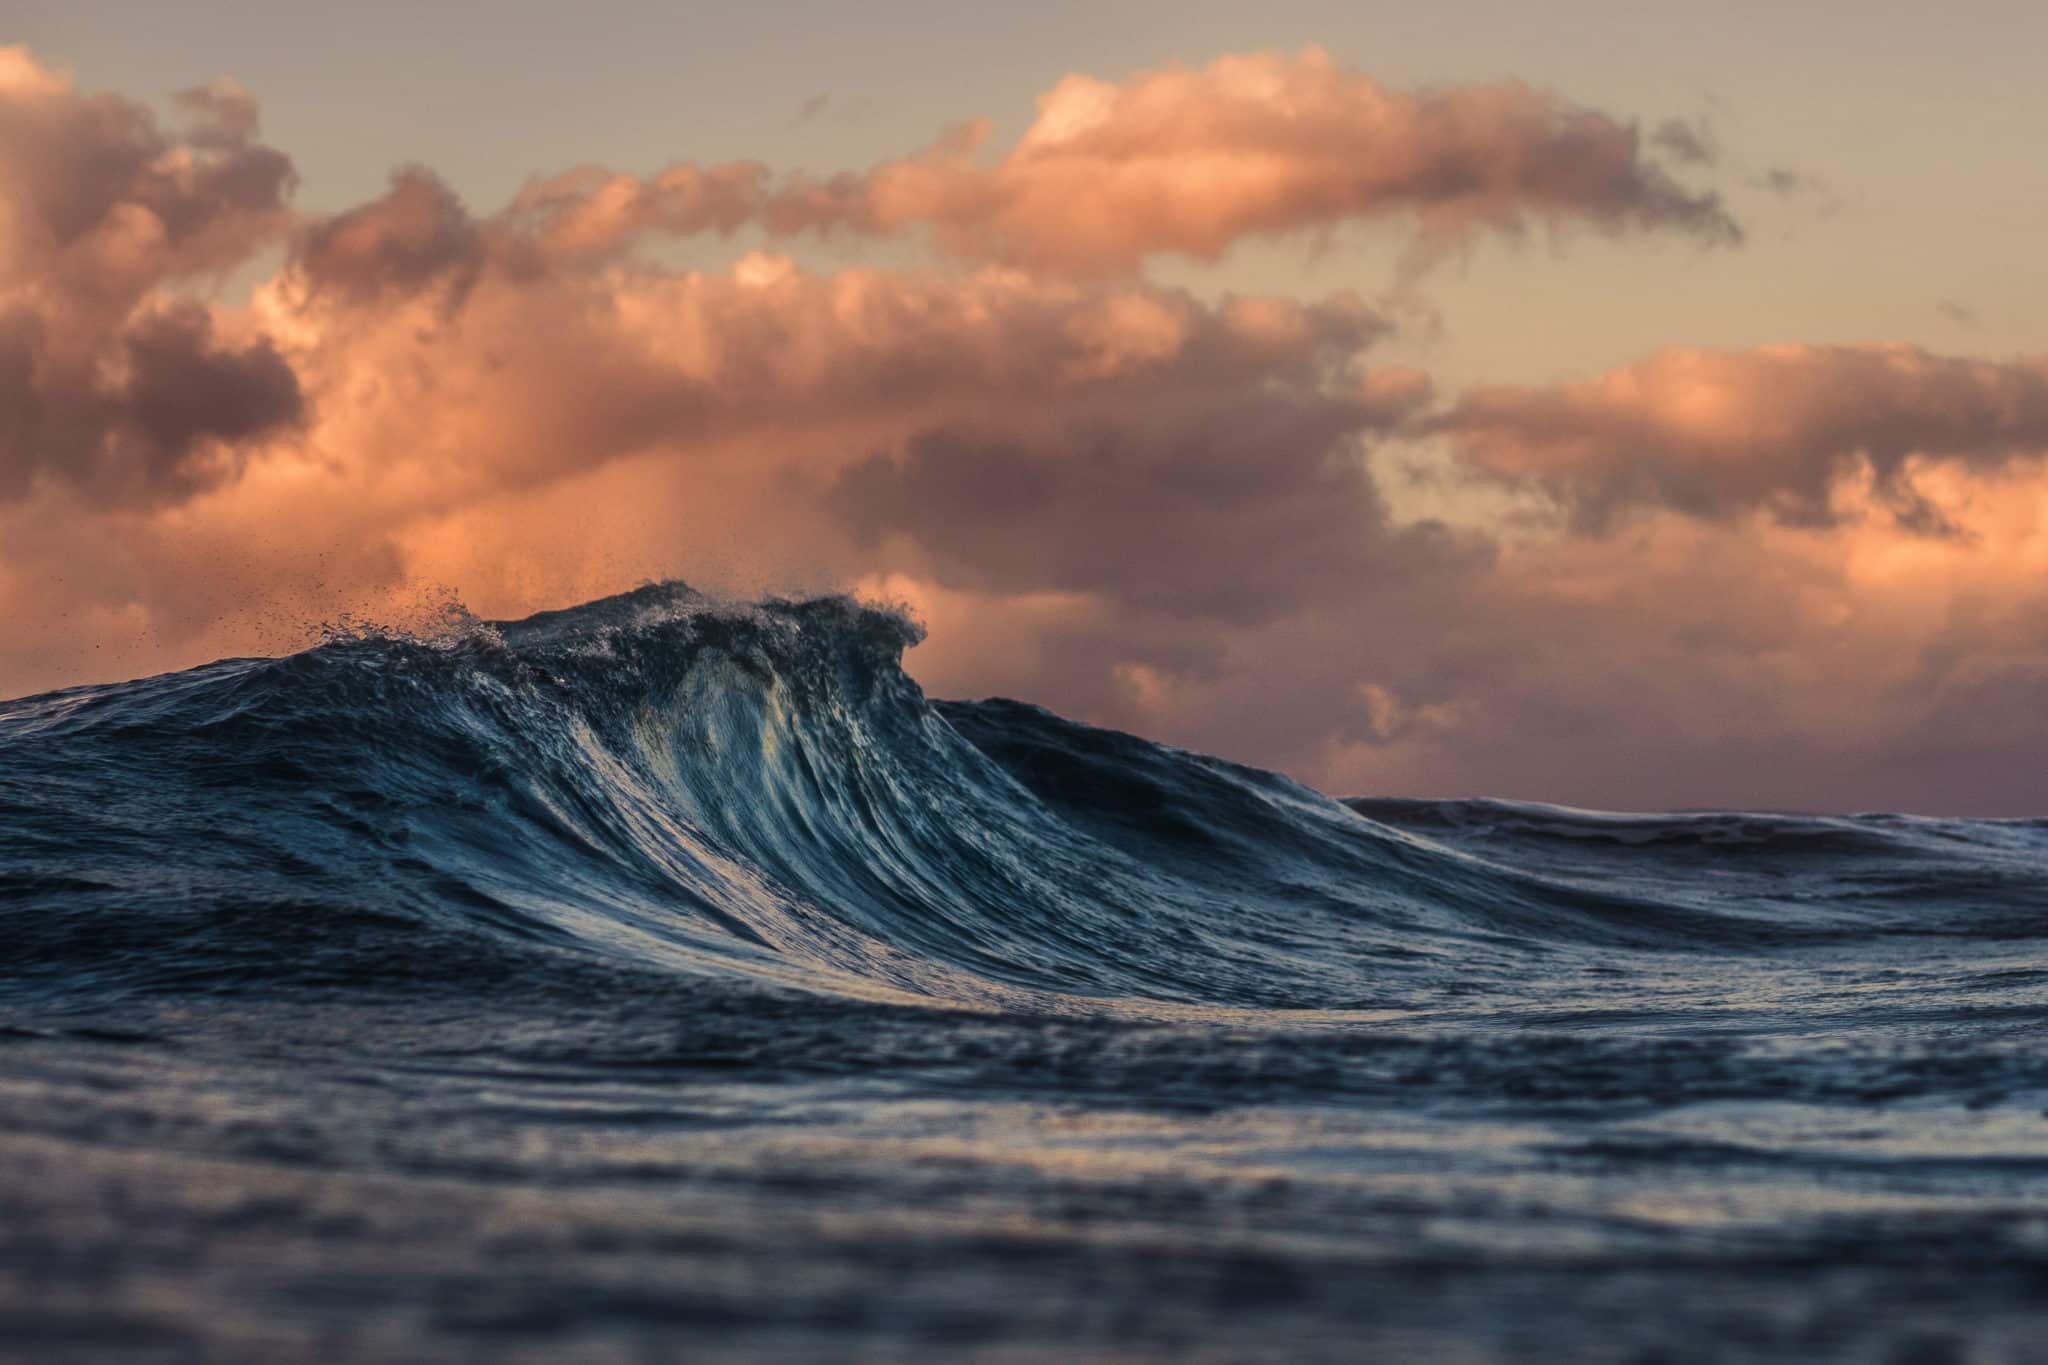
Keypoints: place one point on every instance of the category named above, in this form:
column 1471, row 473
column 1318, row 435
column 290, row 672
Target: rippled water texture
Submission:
column 663, row 979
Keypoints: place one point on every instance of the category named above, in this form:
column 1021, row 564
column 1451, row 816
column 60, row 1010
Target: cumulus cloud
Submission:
column 418, row 234
column 1778, row 429
column 469, row 406
column 1191, row 160
column 99, row 205
column 1237, row 509
column 1188, row 161
column 222, row 114
column 1715, row 664
column 109, row 381
column 1143, row 505
column 1692, row 664
column 474, row 348
column 172, row 419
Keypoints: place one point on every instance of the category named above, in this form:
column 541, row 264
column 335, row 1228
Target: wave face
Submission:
column 702, row 921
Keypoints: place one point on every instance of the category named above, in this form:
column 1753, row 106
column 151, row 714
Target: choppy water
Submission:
column 662, row 979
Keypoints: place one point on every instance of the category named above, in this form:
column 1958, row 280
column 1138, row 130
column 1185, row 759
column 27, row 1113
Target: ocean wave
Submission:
column 666, row 783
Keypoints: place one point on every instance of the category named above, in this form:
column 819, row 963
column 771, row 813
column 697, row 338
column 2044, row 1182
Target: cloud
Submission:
column 223, row 114
column 1146, row 506
column 1241, row 507
column 1777, row 430
column 98, row 205
column 418, row 234
column 481, row 347
column 1691, row 664
column 1687, row 142
column 110, row 381
column 1961, row 314
column 1787, row 182
column 175, row 418
column 591, row 212
column 535, row 427
column 1732, row 665
column 1189, row 161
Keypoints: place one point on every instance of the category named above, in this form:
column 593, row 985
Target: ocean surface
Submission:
column 668, row 979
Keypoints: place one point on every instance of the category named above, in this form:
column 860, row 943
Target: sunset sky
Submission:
column 1616, row 405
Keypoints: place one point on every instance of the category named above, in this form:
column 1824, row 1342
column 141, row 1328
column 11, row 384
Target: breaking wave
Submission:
column 662, row 782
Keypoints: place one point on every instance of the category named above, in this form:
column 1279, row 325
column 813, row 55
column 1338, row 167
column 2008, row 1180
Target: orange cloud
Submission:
column 475, row 408
column 1191, row 160
column 1732, row 664
column 105, row 380
column 593, row 212
column 1132, row 503
column 1187, row 161
column 417, row 234
column 1717, row 433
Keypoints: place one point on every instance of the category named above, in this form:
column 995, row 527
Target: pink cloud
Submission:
column 1133, row 503
column 1189, row 161
column 418, row 234
column 1778, row 429
column 107, row 380
column 594, row 212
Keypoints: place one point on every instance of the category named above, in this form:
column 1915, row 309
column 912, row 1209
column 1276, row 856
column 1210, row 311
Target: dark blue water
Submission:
column 663, row 979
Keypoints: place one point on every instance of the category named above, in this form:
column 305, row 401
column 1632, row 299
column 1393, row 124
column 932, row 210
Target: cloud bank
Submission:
column 1796, row 575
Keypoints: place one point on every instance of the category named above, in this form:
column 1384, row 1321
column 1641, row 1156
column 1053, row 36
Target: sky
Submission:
column 1620, row 405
